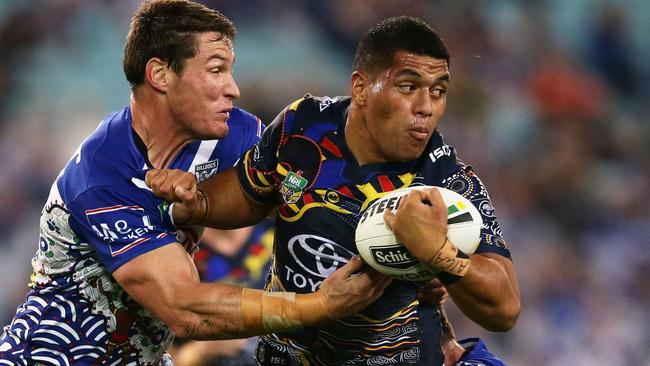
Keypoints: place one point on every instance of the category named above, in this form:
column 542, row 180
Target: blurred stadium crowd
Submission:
column 550, row 102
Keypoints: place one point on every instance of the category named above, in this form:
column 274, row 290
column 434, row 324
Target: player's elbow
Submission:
column 504, row 318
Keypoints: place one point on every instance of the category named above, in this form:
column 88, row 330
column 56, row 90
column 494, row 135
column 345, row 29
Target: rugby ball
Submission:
column 382, row 251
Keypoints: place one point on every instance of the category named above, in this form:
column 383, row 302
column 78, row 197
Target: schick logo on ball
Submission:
column 393, row 256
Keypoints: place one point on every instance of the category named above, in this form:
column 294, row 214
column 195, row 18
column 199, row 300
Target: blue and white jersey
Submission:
column 100, row 215
column 477, row 354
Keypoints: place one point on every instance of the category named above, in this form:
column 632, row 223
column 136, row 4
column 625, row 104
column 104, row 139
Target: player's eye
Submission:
column 406, row 88
column 438, row 92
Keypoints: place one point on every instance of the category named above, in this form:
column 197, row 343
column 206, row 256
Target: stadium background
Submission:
column 550, row 102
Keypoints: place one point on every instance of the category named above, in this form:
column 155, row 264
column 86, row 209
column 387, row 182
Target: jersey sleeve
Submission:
column 461, row 178
column 465, row 182
column 254, row 136
column 121, row 223
column 252, row 132
column 257, row 169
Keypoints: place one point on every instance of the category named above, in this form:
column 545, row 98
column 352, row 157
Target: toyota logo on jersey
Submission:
column 317, row 255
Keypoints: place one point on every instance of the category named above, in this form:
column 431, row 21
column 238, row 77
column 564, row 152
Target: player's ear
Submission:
column 359, row 84
column 157, row 74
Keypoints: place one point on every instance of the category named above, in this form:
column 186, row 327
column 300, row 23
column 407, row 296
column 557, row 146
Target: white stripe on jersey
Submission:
column 203, row 153
column 140, row 184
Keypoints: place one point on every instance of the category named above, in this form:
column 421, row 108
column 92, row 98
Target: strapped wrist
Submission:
column 267, row 312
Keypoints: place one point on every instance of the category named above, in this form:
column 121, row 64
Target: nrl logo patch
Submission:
column 206, row 170
column 292, row 187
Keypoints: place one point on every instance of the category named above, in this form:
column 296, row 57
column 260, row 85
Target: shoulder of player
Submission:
column 311, row 110
column 104, row 159
column 243, row 119
column 438, row 149
column 111, row 142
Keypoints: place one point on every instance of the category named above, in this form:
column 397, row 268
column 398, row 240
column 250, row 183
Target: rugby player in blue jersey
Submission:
column 465, row 352
column 113, row 275
column 321, row 163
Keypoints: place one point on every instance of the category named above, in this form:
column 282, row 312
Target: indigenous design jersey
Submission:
column 303, row 164
column 100, row 215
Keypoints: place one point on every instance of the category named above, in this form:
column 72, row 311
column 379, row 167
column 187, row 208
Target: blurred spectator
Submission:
column 609, row 50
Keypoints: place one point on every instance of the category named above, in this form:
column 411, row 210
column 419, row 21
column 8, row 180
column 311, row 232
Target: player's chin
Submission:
column 218, row 130
column 412, row 152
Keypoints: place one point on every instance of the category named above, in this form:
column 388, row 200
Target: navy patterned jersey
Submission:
column 303, row 165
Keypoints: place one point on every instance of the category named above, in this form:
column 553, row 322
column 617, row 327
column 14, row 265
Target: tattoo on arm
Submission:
column 193, row 329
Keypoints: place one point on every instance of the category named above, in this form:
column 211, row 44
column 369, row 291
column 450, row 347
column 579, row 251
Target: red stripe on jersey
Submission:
column 284, row 211
column 329, row 145
column 307, row 198
column 113, row 208
column 345, row 191
column 128, row 247
column 386, row 184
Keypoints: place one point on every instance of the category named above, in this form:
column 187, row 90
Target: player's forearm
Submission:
column 227, row 207
column 207, row 311
column 233, row 312
column 488, row 293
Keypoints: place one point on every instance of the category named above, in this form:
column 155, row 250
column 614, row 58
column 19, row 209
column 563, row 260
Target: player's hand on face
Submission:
column 179, row 187
column 347, row 294
column 420, row 222
column 433, row 292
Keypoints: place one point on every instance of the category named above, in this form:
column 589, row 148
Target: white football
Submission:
column 382, row 251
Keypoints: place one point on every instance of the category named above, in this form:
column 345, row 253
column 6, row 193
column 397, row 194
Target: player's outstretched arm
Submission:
column 218, row 202
column 165, row 282
column 484, row 287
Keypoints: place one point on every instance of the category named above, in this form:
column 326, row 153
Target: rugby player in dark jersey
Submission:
column 321, row 163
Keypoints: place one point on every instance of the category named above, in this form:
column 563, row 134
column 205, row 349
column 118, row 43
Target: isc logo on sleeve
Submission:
column 122, row 227
column 436, row 154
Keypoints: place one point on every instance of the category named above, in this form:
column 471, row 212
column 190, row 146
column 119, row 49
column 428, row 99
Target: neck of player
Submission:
column 155, row 125
column 358, row 140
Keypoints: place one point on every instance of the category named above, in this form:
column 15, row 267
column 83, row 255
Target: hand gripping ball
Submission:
column 382, row 251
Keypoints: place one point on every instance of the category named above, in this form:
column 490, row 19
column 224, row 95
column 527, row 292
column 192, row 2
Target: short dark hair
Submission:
column 376, row 49
column 167, row 29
